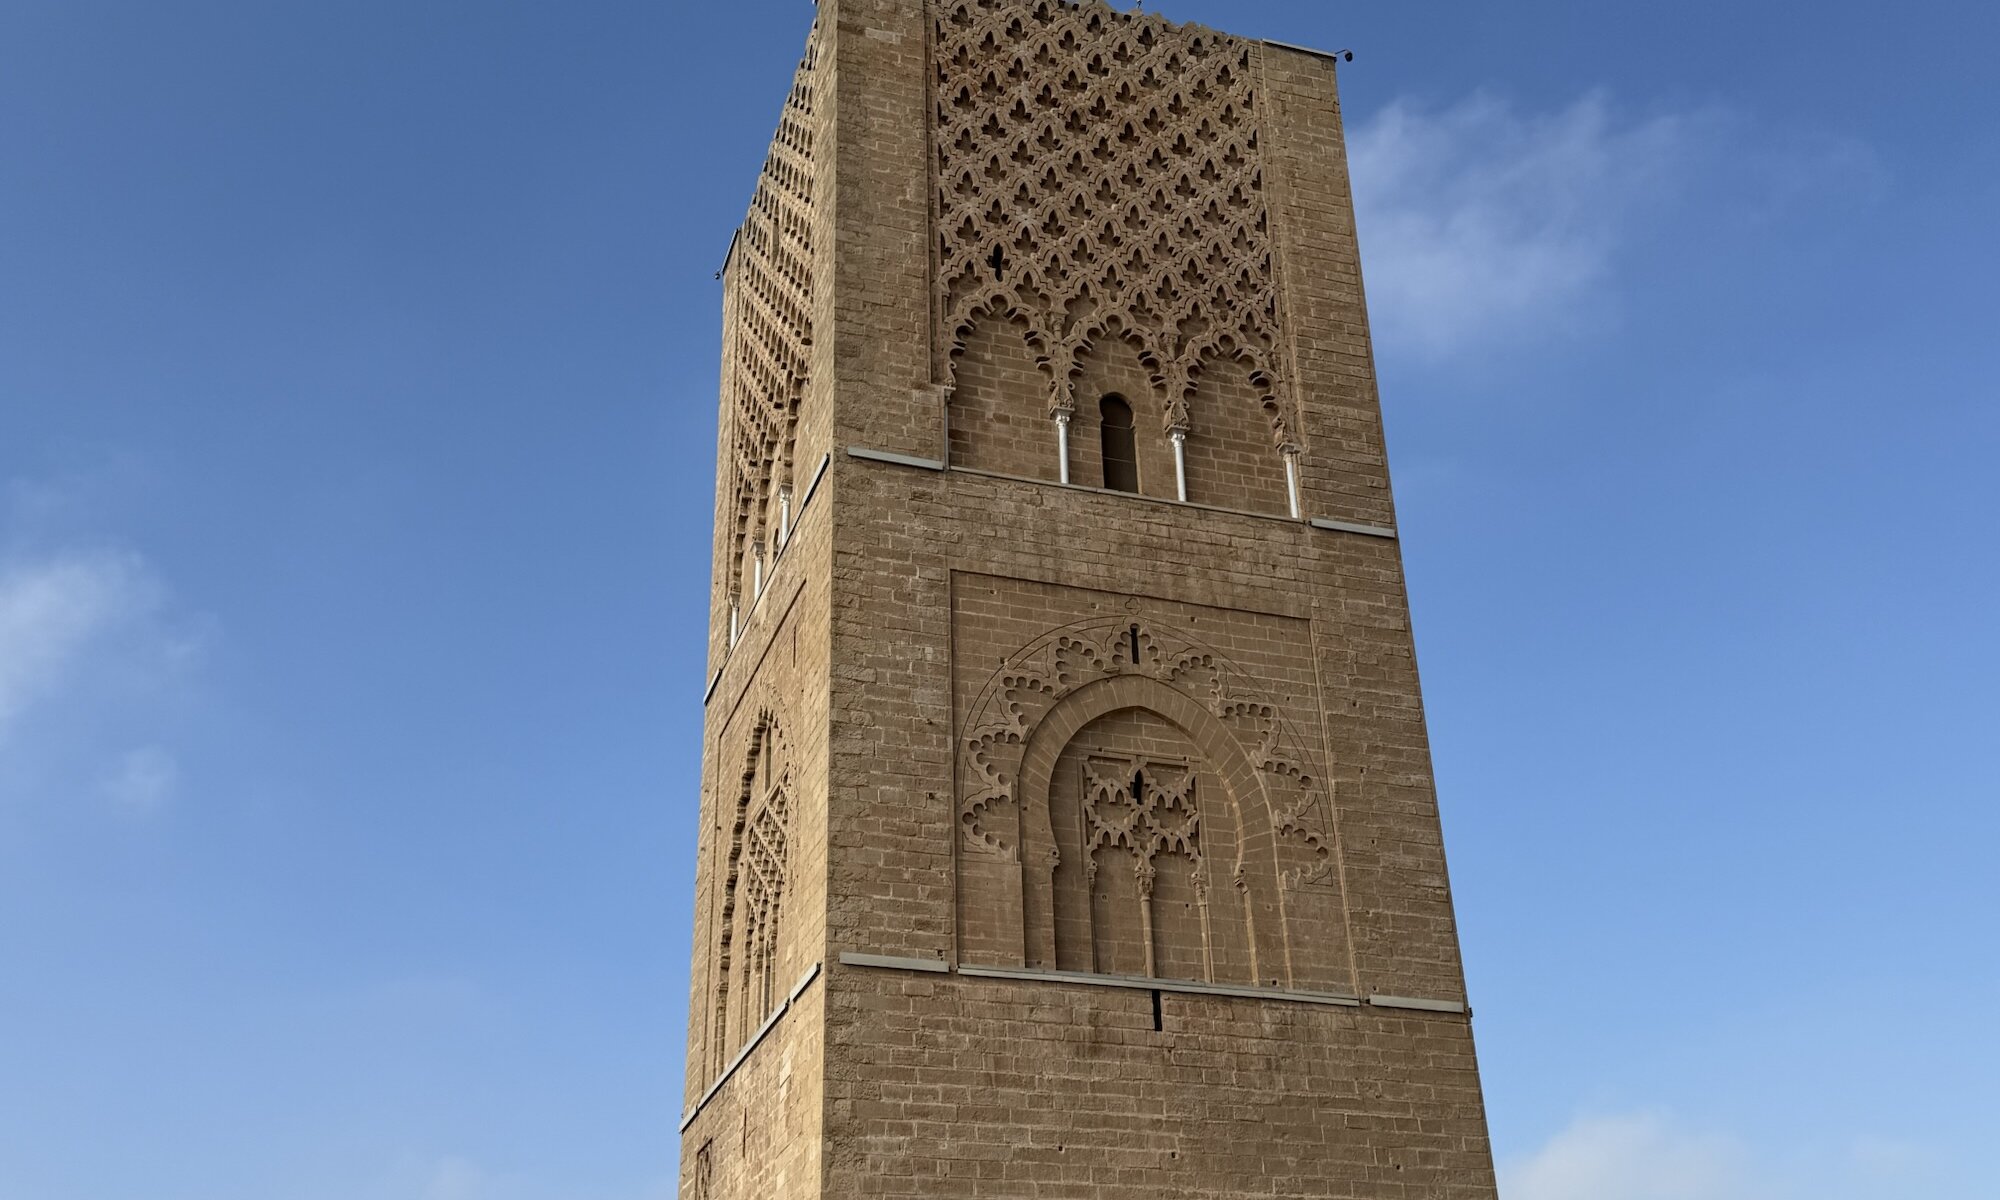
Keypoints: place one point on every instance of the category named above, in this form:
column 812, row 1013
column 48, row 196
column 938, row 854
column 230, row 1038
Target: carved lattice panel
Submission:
column 754, row 876
column 1142, row 806
column 1100, row 175
column 762, row 904
column 769, row 326
column 1143, row 869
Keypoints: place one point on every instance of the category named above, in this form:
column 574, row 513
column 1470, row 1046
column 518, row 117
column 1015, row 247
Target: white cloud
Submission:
column 51, row 612
column 94, row 663
column 1479, row 222
column 1654, row 1156
column 1483, row 224
column 1634, row 1158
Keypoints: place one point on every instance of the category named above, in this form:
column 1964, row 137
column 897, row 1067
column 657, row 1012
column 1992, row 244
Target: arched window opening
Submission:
column 1121, row 448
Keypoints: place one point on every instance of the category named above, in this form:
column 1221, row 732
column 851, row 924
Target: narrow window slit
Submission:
column 1121, row 447
column 1159, row 1017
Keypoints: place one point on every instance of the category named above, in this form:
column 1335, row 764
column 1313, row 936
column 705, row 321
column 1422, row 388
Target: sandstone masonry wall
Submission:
column 1111, row 855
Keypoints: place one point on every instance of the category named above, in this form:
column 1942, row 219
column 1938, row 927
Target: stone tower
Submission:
column 1067, row 825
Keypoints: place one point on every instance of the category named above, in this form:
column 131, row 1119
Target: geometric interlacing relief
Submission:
column 754, row 879
column 1068, row 843
column 1139, row 813
column 1100, row 177
column 768, row 332
column 1144, row 807
column 1056, row 666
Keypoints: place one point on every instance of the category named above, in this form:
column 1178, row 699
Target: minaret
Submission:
column 1067, row 821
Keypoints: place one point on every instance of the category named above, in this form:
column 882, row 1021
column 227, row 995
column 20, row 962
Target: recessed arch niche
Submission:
column 1129, row 805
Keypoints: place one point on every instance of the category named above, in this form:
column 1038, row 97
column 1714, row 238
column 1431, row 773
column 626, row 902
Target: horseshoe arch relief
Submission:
column 1133, row 802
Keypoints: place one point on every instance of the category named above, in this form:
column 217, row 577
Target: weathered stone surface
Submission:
column 982, row 719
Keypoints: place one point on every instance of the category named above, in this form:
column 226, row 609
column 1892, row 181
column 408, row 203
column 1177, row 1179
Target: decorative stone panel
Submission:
column 748, row 968
column 1241, row 797
column 1100, row 178
column 768, row 333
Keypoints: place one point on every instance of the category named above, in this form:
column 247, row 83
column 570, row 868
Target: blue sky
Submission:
column 357, row 377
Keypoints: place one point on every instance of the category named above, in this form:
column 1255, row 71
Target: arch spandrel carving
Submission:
column 1261, row 825
column 1101, row 174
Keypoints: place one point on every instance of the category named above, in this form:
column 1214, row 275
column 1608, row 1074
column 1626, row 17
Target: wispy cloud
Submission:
column 1654, row 1156
column 1479, row 221
column 1634, row 1158
column 457, row 1179
column 52, row 610
column 1485, row 224
column 143, row 781
column 92, row 660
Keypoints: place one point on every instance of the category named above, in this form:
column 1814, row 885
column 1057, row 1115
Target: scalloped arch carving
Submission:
column 1098, row 170
column 1031, row 683
column 1269, row 807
